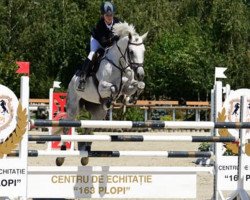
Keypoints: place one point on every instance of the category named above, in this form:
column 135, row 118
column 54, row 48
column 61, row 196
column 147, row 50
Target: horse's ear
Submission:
column 144, row 36
column 130, row 36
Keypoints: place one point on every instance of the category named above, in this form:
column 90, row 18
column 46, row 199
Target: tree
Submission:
column 187, row 39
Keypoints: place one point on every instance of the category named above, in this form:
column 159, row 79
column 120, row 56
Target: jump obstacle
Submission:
column 129, row 138
column 66, row 182
column 131, row 124
column 96, row 154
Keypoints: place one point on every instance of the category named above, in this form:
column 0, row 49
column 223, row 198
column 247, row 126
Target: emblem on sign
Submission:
column 13, row 121
column 231, row 113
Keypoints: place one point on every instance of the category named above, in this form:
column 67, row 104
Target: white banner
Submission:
column 56, row 84
column 121, row 182
column 228, row 173
column 12, row 177
column 219, row 72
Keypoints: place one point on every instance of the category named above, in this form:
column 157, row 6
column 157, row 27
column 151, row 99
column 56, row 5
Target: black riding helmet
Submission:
column 107, row 8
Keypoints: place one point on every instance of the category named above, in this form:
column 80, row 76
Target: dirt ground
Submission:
column 204, row 180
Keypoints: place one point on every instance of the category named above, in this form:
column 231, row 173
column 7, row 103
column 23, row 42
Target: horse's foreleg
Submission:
column 131, row 88
column 140, row 73
column 135, row 91
column 140, row 88
column 107, row 89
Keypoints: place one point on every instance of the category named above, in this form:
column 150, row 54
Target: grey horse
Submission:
column 120, row 73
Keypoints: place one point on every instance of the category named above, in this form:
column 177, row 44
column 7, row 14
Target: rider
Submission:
column 101, row 37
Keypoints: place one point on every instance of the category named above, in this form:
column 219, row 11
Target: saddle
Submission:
column 94, row 64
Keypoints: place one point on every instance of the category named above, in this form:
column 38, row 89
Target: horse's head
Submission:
column 131, row 48
column 135, row 52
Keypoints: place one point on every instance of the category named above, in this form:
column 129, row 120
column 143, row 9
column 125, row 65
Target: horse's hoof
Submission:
column 84, row 161
column 107, row 104
column 60, row 161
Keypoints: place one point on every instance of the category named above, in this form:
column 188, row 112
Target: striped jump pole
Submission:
column 138, row 124
column 167, row 154
column 129, row 138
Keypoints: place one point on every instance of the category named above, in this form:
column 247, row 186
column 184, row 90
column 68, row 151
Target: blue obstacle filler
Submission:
column 18, row 180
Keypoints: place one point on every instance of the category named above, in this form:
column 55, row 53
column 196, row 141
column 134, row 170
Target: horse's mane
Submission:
column 123, row 29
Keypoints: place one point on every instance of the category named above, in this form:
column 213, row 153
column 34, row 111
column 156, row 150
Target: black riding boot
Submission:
column 83, row 74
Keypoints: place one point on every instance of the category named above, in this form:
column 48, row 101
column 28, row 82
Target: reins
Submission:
column 128, row 63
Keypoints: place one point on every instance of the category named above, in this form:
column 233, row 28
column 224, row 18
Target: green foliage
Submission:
column 166, row 118
column 204, row 146
column 131, row 114
column 8, row 75
column 183, row 66
column 180, row 115
column 187, row 40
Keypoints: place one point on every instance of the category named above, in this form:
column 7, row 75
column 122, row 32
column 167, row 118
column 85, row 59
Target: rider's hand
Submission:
column 115, row 38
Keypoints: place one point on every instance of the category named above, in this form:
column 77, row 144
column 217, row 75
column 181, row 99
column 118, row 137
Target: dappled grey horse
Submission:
column 120, row 73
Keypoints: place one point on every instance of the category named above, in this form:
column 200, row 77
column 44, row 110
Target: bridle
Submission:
column 133, row 65
column 128, row 63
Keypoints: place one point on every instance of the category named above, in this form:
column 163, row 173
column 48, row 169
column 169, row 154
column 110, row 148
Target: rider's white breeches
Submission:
column 94, row 46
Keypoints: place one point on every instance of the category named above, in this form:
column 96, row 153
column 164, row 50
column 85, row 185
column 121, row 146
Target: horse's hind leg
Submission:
column 85, row 146
column 72, row 111
column 60, row 160
column 97, row 113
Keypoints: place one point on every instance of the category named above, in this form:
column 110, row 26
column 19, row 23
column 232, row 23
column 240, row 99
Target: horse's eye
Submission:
column 131, row 53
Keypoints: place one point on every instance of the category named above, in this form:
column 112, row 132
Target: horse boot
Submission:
column 83, row 74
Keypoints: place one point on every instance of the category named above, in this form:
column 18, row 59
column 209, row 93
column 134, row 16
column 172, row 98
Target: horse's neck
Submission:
column 115, row 54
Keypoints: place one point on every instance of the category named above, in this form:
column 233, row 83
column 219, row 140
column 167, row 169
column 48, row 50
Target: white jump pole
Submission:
column 241, row 192
column 24, row 96
column 218, row 152
column 130, row 138
column 51, row 90
column 115, row 154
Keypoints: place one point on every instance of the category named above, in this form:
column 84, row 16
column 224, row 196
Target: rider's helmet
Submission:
column 107, row 8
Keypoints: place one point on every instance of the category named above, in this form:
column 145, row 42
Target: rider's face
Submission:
column 108, row 18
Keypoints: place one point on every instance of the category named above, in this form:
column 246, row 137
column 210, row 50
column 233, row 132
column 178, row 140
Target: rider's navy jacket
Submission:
column 102, row 34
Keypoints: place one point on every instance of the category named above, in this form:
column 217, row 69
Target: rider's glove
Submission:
column 115, row 38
